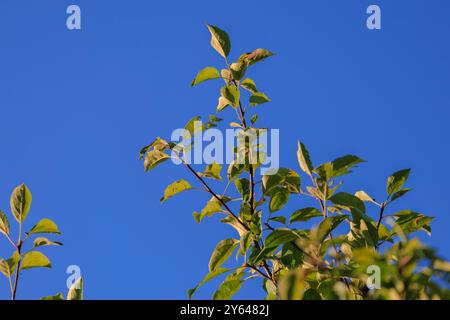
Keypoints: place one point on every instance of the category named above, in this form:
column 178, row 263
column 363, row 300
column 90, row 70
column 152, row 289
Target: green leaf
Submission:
column 243, row 187
column 278, row 200
column 222, row 104
column 234, row 170
column 278, row 237
column 347, row 201
column 229, row 287
column 213, row 206
column 254, row 118
column 220, row 40
column 153, row 158
column 76, row 290
column 20, row 202
column 284, row 178
column 258, row 98
column 280, row 219
column 249, row 85
column 207, row 73
column 42, row 241
column 410, row 221
column 45, row 226
column 245, row 242
column 4, row 268
column 58, row 296
column 400, row 193
column 238, row 70
column 337, row 167
column 255, row 56
column 231, row 94
column 213, row 171
column 303, row 159
column 222, row 252
column 396, row 181
column 328, row 225
column 305, row 214
column 311, row 294
column 175, row 188
column 35, row 259
column 4, row 223
column 363, row 230
column 207, row 278
column 363, row 196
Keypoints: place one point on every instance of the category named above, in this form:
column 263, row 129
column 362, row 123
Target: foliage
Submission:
column 332, row 259
column 24, row 259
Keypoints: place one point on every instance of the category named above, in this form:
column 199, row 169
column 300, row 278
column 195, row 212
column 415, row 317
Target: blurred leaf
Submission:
column 311, row 294
column 305, row 214
column 410, row 221
column 20, row 202
column 207, row 278
column 175, row 188
column 207, row 73
column 396, row 181
column 59, row 296
column 45, row 226
column 222, row 252
column 220, row 40
column 258, row 98
column 35, row 259
column 76, row 290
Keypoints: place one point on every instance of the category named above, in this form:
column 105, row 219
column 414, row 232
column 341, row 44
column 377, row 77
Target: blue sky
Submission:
column 76, row 106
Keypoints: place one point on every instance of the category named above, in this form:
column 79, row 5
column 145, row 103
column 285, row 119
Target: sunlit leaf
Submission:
column 231, row 94
column 58, row 296
column 304, row 159
column 278, row 200
column 175, row 188
column 249, row 85
column 154, row 158
column 347, row 201
column 4, row 223
column 207, row 73
column 229, row 286
column 42, row 241
column 258, row 98
column 396, row 181
column 20, row 202
column 45, row 226
column 213, row 171
column 220, row 40
column 305, row 214
column 35, row 259
column 222, row 252
column 255, row 56
column 208, row 277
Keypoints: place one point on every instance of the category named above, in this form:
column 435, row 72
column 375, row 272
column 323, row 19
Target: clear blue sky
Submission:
column 76, row 106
